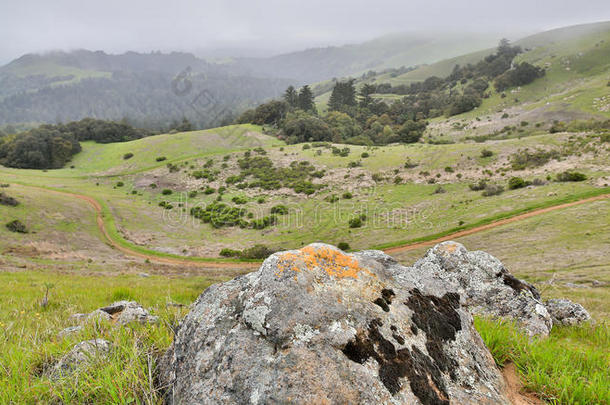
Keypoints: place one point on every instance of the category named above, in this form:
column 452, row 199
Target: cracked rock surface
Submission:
column 317, row 325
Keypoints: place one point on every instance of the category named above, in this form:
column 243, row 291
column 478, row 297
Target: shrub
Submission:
column 525, row 158
column 516, row 182
column 239, row 200
column 279, row 209
column 440, row 190
column 264, row 222
column 160, row 158
column 120, row 184
column 347, row 195
column 486, row 153
column 449, row 169
column 571, row 176
column 209, row 190
column 364, row 155
column 260, row 200
column 256, row 252
column 127, row 156
column 478, row 186
column 16, row 226
column 343, row 245
column 306, row 146
column 492, row 189
column 355, row 222
column 226, row 252
column 505, row 115
column 166, row 191
column 331, row 198
column 8, row 200
column 192, row 194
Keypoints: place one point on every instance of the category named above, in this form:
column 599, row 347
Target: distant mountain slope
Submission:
column 150, row 90
column 391, row 51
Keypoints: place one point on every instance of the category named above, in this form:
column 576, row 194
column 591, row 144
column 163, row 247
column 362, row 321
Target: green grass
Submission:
column 29, row 342
column 571, row 366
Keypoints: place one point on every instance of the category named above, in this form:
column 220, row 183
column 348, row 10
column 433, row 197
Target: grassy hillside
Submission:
column 576, row 59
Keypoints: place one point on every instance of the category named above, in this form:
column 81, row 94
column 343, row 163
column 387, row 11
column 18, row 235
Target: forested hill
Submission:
column 149, row 90
column 392, row 51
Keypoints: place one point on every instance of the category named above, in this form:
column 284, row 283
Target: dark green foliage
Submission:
column 478, row 186
column 166, row 191
column 42, row 148
column 347, row 195
column 8, row 200
column 239, row 200
column 270, row 113
column 279, row 209
column 101, row 131
column 571, row 176
column 127, row 156
column 291, row 97
column 449, row 169
column 364, row 155
column 517, row 182
column 355, row 163
column 16, row 226
column 173, row 168
column 486, row 153
column 256, row 252
column 492, row 189
column 343, row 96
column 263, row 222
column 192, row 194
column 305, row 100
column 440, row 190
column 306, row 129
column 357, row 222
column 412, row 131
column 522, row 74
column 344, row 152
column 166, row 204
column 343, row 246
column 161, row 158
column 525, row 158
column 464, row 103
column 226, row 252
column 209, row 190
column 269, row 177
column 120, row 184
column 220, row 215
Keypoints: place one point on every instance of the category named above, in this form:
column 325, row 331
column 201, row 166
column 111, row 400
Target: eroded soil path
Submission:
column 224, row 264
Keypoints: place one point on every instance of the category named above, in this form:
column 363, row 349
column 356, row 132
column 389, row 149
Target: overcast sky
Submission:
column 145, row 25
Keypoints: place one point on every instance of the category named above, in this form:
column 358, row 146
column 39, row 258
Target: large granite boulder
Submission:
column 483, row 283
column 317, row 325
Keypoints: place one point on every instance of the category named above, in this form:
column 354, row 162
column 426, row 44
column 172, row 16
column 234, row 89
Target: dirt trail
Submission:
column 494, row 224
column 218, row 264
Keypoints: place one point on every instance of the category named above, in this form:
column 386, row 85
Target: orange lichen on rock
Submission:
column 449, row 247
column 333, row 262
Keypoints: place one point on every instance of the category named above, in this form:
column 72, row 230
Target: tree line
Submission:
column 52, row 146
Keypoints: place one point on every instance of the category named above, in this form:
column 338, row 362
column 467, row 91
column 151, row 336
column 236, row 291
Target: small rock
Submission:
column 69, row 331
column 80, row 355
column 145, row 275
column 566, row 312
column 572, row 285
column 124, row 312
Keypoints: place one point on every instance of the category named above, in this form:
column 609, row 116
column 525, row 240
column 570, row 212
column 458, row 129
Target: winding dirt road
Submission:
column 221, row 264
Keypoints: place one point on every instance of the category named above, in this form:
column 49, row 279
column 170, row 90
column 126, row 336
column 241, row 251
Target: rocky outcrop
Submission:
column 484, row 284
column 317, row 325
column 566, row 312
column 79, row 356
column 120, row 312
